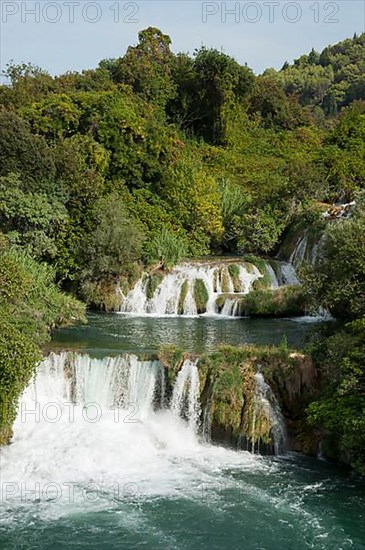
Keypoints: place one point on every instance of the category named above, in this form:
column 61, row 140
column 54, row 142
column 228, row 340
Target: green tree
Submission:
column 146, row 67
column 337, row 283
column 221, row 82
column 116, row 242
column 23, row 153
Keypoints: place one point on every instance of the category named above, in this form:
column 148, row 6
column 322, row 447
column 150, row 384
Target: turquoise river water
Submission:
column 67, row 483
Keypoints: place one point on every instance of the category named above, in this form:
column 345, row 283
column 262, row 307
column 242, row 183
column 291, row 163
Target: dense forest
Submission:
column 154, row 157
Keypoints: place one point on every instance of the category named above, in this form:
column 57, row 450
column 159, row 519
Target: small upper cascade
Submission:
column 300, row 250
column 273, row 278
column 191, row 289
column 302, row 245
column 186, row 393
column 288, row 275
column 267, row 410
column 281, row 274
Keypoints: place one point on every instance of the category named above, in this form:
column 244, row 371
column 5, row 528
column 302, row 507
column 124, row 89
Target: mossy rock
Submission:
column 104, row 295
column 234, row 271
column 201, row 296
column 264, row 281
column 230, row 392
column 228, row 399
column 216, row 276
column 225, row 280
column 6, row 434
column 172, row 358
column 182, row 298
column 154, row 280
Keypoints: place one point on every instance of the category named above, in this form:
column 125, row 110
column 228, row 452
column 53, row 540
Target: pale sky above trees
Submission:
column 281, row 31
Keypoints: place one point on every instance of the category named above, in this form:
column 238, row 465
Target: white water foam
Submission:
column 110, row 432
column 165, row 300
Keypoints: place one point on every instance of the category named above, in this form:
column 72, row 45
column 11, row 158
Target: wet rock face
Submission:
column 253, row 398
column 296, row 384
column 256, row 399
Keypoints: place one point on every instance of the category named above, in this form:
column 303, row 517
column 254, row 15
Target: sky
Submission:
column 69, row 35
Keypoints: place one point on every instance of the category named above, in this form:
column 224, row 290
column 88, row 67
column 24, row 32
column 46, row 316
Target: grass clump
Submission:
column 154, row 280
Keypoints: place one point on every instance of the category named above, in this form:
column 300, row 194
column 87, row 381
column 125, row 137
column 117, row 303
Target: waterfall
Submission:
column 110, row 382
column 288, row 275
column 185, row 397
column 299, row 253
column 273, row 278
column 103, row 425
column 267, row 406
column 307, row 247
column 176, row 293
column 123, row 382
column 231, row 308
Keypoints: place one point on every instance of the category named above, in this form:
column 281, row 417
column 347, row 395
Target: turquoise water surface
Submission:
column 147, row 486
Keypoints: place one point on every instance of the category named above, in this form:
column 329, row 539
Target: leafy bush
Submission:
column 340, row 411
column 165, row 249
column 337, row 282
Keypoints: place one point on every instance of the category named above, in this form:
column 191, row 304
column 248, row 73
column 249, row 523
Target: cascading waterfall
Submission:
column 109, row 382
column 85, row 419
column 175, row 295
column 231, row 307
column 307, row 248
column 185, row 397
column 300, row 249
column 103, row 421
column 178, row 291
column 267, row 405
column 288, row 275
column 284, row 274
column 273, row 278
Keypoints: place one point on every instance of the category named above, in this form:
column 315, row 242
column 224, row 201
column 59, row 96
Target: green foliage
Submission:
column 21, row 152
column 19, row 356
column 234, row 271
column 220, row 83
column 337, row 282
column 182, row 297
column 199, row 150
column 165, row 249
column 31, row 305
column 31, row 220
column 263, row 282
column 288, row 301
column 116, row 242
column 330, row 79
column 146, row 67
column 344, row 154
column 154, row 280
column 341, row 409
column 193, row 193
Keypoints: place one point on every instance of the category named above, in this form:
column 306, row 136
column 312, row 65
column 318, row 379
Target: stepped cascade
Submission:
column 121, row 401
column 193, row 288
